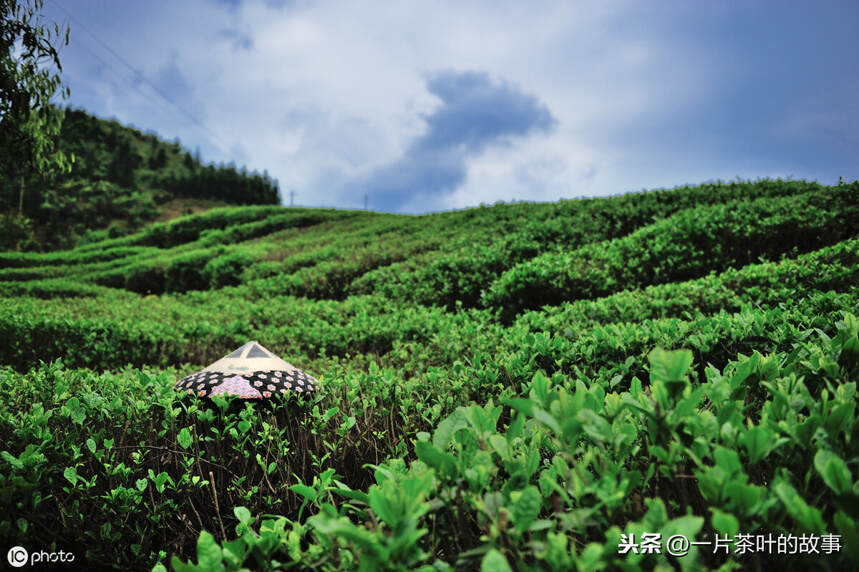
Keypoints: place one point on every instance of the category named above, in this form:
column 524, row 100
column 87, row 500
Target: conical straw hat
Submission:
column 250, row 372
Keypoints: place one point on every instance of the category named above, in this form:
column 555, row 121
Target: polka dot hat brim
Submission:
column 252, row 385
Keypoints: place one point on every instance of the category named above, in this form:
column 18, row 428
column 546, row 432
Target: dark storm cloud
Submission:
column 475, row 112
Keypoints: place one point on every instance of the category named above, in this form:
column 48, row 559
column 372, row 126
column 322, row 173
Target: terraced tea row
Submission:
column 518, row 386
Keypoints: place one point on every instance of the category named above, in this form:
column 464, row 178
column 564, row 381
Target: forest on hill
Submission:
column 511, row 387
column 120, row 179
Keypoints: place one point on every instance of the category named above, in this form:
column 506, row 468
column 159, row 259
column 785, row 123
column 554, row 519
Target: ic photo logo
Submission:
column 18, row 556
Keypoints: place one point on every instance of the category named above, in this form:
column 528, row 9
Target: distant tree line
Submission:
column 134, row 160
column 118, row 178
column 226, row 183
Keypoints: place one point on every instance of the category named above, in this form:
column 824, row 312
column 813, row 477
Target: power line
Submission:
column 115, row 72
column 138, row 74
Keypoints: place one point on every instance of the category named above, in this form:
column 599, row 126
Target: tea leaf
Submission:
column 185, row 440
column 494, row 561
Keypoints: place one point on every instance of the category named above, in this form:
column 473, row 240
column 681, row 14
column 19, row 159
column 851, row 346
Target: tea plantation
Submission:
column 511, row 387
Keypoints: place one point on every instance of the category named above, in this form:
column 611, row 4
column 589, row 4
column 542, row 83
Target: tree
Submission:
column 124, row 163
column 29, row 123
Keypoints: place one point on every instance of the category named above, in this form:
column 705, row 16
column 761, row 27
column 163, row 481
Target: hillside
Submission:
column 517, row 386
column 120, row 180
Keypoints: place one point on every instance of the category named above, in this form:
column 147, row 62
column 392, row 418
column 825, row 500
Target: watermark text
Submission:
column 740, row 544
column 18, row 556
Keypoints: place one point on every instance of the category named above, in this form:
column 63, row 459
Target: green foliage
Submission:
column 15, row 230
column 561, row 468
column 715, row 396
column 120, row 180
column 76, row 205
column 29, row 123
column 686, row 245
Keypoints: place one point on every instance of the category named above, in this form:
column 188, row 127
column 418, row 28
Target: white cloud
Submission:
column 539, row 168
column 322, row 94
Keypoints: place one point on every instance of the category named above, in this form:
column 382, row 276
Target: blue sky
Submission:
column 427, row 106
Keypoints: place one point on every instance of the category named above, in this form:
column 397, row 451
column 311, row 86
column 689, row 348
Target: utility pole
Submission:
column 365, row 201
column 291, row 197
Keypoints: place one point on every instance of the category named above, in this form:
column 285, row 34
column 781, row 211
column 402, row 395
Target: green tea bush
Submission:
column 762, row 285
column 186, row 271
column 188, row 229
column 144, row 278
column 271, row 224
column 51, row 288
column 687, row 364
column 558, row 478
column 686, row 245
column 28, row 259
column 226, row 270
column 461, row 275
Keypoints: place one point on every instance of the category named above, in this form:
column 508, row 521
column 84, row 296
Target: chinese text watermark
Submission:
column 740, row 544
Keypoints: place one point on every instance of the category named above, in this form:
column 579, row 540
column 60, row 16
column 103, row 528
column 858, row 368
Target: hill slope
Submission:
column 121, row 178
column 522, row 383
